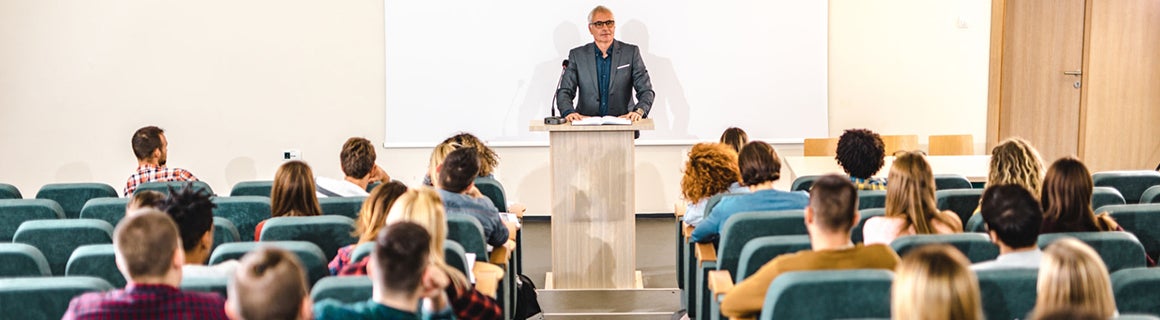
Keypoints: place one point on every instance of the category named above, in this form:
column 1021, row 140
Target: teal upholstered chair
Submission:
column 1135, row 317
column 14, row 212
column 112, row 210
column 252, row 188
column 343, row 206
column 224, row 231
column 975, row 224
column 1119, row 250
column 1131, row 184
column 328, row 232
column 244, row 211
column 308, row 254
column 976, row 246
column 1151, row 195
column 361, row 251
column 735, row 233
column 1135, row 290
column 869, row 199
column 1007, row 294
column 856, row 232
column 163, row 187
column 492, row 189
column 1143, row 221
column 756, row 253
column 961, row 201
column 467, row 231
column 803, row 183
column 1106, row 196
column 44, row 297
column 863, row 294
column 342, row 289
column 206, row 284
column 8, row 191
column 950, row 181
column 95, row 260
column 72, row 196
column 57, row 239
column 22, row 260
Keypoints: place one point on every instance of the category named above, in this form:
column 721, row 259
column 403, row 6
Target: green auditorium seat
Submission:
column 95, row 260
column 467, row 231
column 1119, row 250
column 492, row 189
column 57, row 239
column 803, row 183
column 252, row 188
column 206, row 284
column 163, row 187
column 308, row 254
column 1151, row 195
column 328, row 232
column 1106, row 196
column 22, row 260
column 14, row 212
column 862, row 293
column 361, row 251
column 1135, row 290
column 976, row 246
column 224, row 231
column 950, row 181
column 453, row 254
column 1131, row 184
column 869, row 199
column 371, row 186
column 1143, row 221
column 72, row 196
column 975, row 224
column 244, row 211
column 856, row 232
column 112, row 210
column 44, row 297
column 8, row 191
column 738, row 230
column 1007, row 294
column 962, row 201
column 342, row 206
column 1135, row 317
column 343, row 289
column 755, row 254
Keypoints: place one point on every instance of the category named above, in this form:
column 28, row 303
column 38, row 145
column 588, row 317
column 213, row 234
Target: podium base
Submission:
column 637, row 284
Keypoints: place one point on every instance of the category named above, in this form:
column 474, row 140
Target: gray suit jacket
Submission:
column 628, row 73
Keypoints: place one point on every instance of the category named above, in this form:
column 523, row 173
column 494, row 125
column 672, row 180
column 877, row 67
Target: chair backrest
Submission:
column 975, row 224
column 22, row 260
column 8, row 191
column 492, row 189
column 342, row 206
column 948, row 181
column 1135, row 290
column 760, row 250
column 467, row 231
column 1007, row 294
column 95, row 260
column 803, row 183
column 453, row 254
column 820, row 147
column 252, row 188
column 714, row 200
column 856, row 232
column 14, row 212
column 44, row 297
column 895, row 143
column 740, row 228
column 1151, row 195
column 224, row 231
column 1142, row 220
column 976, row 246
column 343, row 289
column 163, row 187
column 962, row 201
column 244, row 211
column 1119, row 250
column 72, row 196
column 308, row 253
column 361, row 251
column 206, row 284
column 1131, row 184
column 951, row 145
column 328, row 232
column 1106, row 196
column 112, row 210
column 869, row 199
column 863, row 293
column 57, row 239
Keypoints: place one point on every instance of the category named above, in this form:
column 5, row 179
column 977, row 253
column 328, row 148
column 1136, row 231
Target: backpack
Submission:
column 527, row 304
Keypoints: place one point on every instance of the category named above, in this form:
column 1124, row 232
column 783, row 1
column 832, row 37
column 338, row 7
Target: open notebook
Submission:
column 597, row 121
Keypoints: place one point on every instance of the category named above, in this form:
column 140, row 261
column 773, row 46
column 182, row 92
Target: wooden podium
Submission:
column 593, row 205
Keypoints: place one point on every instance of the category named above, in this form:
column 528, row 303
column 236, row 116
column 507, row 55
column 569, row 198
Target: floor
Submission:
column 655, row 249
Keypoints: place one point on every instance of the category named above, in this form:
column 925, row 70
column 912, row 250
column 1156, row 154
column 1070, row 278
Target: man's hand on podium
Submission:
column 634, row 116
column 574, row 116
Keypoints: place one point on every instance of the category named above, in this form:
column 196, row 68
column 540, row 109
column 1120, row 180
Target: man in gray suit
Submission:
column 606, row 71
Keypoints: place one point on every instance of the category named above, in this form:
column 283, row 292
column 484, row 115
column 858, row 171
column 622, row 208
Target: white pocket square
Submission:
column 622, row 67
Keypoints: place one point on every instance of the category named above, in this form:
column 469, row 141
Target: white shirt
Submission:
column 695, row 212
column 341, row 187
column 1016, row 260
column 221, row 270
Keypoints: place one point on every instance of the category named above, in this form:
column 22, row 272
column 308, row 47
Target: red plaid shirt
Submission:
column 151, row 173
column 141, row 301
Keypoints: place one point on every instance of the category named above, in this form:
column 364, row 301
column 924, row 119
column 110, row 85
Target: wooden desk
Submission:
column 974, row 167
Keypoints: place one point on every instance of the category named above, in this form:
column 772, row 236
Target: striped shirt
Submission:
column 869, row 184
column 151, row 173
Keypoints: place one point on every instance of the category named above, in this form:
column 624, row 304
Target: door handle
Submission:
column 1073, row 73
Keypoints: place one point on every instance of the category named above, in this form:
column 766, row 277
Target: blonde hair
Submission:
column 1073, row 275
column 910, row 195
column 372, row 216
column 1015, row 161
column 935, row 282
column 424, row 207
column 437, row 156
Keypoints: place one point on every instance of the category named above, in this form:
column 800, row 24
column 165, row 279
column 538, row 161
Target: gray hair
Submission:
column 597, row 9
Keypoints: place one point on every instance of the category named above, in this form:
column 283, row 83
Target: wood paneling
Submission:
column 820, row 147
column 895, row 143
column 952, row 145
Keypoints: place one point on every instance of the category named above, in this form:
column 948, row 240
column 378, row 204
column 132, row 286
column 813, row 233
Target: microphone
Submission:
column 556, row 119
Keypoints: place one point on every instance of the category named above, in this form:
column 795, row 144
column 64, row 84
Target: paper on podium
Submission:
column 598, row 121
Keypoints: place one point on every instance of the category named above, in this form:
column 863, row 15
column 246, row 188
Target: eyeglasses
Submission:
column 605, row 23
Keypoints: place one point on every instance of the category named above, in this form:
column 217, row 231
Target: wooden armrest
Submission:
column 720, row 281
column 487, row 277
column 705, row 253
column 679, row 209
column 517, row 209
column 688, row 231
column 500, row 255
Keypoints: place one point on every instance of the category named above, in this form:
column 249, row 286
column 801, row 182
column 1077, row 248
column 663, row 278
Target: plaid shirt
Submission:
column 470, row 304
column 141, row 301
column 151, row 173
column 869, row 184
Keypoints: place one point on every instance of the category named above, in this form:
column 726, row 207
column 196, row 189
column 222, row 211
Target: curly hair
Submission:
column 488, row 159
column 1015, row 161
column 711, row 168
column 861, row 153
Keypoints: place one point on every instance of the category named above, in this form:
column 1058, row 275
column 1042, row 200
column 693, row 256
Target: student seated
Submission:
column 934, row 283
column 1067, row 200
column 192, row 210
column 910, row 204
column 760, row 168
column 358, row 164
column 146, row 199
column 152, row 152
column 270, row 284
column 735, row 138
column 1013, row 217
column 1072, row 275
column 292, row 195
column 371, row 219
column 861, row 153
column 710, row 170
column 457, row 189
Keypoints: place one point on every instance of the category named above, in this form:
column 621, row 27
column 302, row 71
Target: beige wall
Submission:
column 236, row 82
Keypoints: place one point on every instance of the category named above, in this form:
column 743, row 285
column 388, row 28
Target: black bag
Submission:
column 527, row 305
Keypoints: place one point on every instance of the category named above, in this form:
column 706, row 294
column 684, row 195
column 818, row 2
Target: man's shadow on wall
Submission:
column 670, row 108
column 545, row 77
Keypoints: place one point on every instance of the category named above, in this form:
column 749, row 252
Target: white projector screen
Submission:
column 491, row 67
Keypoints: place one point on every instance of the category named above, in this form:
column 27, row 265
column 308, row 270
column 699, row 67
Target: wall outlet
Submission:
column 291, row 154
